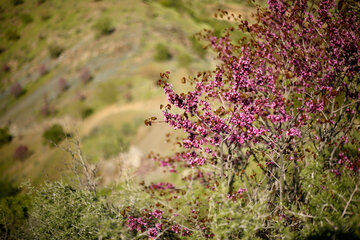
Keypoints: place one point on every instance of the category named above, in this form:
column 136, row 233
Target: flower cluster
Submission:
column 287, row 95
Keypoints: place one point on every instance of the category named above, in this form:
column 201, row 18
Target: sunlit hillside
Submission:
column 92, row 67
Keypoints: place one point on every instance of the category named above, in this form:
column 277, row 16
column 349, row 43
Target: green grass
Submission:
column 104, row 142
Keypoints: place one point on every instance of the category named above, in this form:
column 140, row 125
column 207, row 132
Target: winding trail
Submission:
column 98, row 117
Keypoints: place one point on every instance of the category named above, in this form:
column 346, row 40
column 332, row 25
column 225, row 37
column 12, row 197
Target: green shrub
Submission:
column 86, row 112
column 39, row 2
column 162, row 53
column 17, row 2
column 55, row 50
column 14, row 208
column 60, row 211
column 54, row 135
column 5, row 136
column 12, row 34
column 103, row 26
column 26, row 18
column 45, row 16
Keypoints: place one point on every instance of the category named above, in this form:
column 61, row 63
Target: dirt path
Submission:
column 98, row 117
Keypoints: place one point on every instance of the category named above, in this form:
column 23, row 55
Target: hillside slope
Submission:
column 90, row 66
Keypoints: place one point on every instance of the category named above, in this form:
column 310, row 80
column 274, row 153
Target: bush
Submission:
column 55, row 50
column 45, row 16
column 17, row 2
column 54, row 135
column 17, row 90
column 12, row 35
column 85, row 75
column 272, row 144
column 86, row 112
column 6, row 68
column 21, row 153
column 14, row 209
column 162, row 53
column 60, row 211
column 62, row 84
column 43, row 70
column 26, row 18
column 39, row 2
column 103, row 26
column 5, row 136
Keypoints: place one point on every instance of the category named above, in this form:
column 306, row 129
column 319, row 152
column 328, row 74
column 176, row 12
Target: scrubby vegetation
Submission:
column 5, row 136
column 21, row 153
column 55, row 50
column 17, row 90
column 162, row 53
column 270, row 148
column 54, row 135
column 104, row 26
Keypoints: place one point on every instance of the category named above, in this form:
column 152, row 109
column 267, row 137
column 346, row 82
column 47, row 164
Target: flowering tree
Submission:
column 279, row 115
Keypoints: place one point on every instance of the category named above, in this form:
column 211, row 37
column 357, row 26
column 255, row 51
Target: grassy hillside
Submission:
column 92, row 67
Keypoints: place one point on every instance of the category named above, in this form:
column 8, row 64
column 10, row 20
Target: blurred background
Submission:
column 88, row 69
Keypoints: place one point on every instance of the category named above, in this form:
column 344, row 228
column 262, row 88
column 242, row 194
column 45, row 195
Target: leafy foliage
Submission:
column 26, row 18
column 60, row 211
column 54, row 135
column 14, row 208
column 55, row 50
column 162, row 52
column 103, row 26
column 271, row 146
column 86, row 112
column 274, row 120
column 5, row 136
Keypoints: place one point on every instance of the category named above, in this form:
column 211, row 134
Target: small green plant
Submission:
column 86, row 112
column 12, row 35
column 14, row 209
column 17, row 2
column 162, row 52
column 103, row 26
column 5, row 136
column 55, row 50
column 39, row 2
column 45, row 16
column 54, row 135
column 26, row 18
